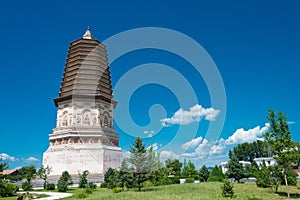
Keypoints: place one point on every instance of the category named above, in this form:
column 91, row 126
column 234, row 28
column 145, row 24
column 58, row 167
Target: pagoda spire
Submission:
column 88, row 34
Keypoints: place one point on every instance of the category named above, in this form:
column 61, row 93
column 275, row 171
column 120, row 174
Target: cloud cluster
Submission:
column 31, row 159
column 5, row 156
column 194, row 114
column 192, row 144
column 241, row 135
column 200, row 148
column 149, row 133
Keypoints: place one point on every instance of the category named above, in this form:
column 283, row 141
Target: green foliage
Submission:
column 62, row 186
column 112, row 178
column 175, row 180
column 82, row 195
column 189, row 169
column 227, row 189
column 117, row 190
column 108, row 173
column 279, row 139
column 91, row 185
column 263, row 178
column 189, row 180
column 64, row 181
column 173, row 166
column 276, row 173
column 203, row 174
column 27, row 186
column 152, row 161
column 138, row 156
column 89, row 190
column 138, row 160
column 104, row 185
column 28, row 172
column 147, row 185
column 43, row 173
column 249, row 151
column 216, row 175
column 83, row 179
column 291, row 177
column 235, row 169
column 8, row 189
column 50, row 186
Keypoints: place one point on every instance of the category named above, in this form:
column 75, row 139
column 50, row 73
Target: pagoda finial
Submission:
column 88, row 34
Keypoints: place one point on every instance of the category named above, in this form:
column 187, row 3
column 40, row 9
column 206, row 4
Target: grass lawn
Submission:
column 191, row 191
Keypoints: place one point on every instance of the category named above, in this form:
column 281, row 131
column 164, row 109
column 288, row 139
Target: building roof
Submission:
column 8, row 172
column 264, row 158
column 86, row 72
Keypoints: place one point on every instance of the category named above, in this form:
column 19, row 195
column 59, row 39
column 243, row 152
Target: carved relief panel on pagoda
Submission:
column 84, row 114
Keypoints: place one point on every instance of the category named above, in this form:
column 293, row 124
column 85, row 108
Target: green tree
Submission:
column 203, row 174
column 29, row 173
column 216, row 174
column 263, row 177
column 189, row 168
column 173, row 166
column 43, row 173
column 126, row 175
column 235, row 169
column 83, row 179
column 249, row 151
column 153, row 162
column 280, row 141
column 64, row 181
column 138, row 159
column 227, row 189
column 276, row 173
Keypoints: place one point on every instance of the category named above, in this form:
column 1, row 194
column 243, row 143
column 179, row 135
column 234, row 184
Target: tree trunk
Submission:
column 286, row 184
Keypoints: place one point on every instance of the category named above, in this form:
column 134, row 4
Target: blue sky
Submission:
column 255, row 46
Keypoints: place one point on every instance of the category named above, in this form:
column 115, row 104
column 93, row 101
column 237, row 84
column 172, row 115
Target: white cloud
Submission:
column 5, row 156
column 195, row 114
column 241, row 135
column 155, row 146
column 149, row 133
column 168, row 155
column 216, row 149
column 31, row 159
column 192, row 144
column 291, row 122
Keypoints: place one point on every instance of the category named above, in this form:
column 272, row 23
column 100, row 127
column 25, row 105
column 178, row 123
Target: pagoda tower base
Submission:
column 75, row 158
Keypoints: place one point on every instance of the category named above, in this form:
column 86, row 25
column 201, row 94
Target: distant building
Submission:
column 13, row 172
column 225, row 169
column 269, row 161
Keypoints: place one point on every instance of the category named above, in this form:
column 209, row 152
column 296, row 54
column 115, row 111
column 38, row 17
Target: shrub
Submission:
column 117, row 190
column 291, row 178
column 227, row 189
column 27, row 186
column 62, row 186
column 103, row 185
column 8, row 189
column 82, row 195
column 64, row 181
column 189, row 180
column 89, row 190
column 263, row 177
column 91, row 185
column 147, row 184
column 175, row 180
column 50, row 186
column 83, row 179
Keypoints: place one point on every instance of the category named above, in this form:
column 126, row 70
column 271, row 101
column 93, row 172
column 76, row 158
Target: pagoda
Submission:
column 84, row 137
